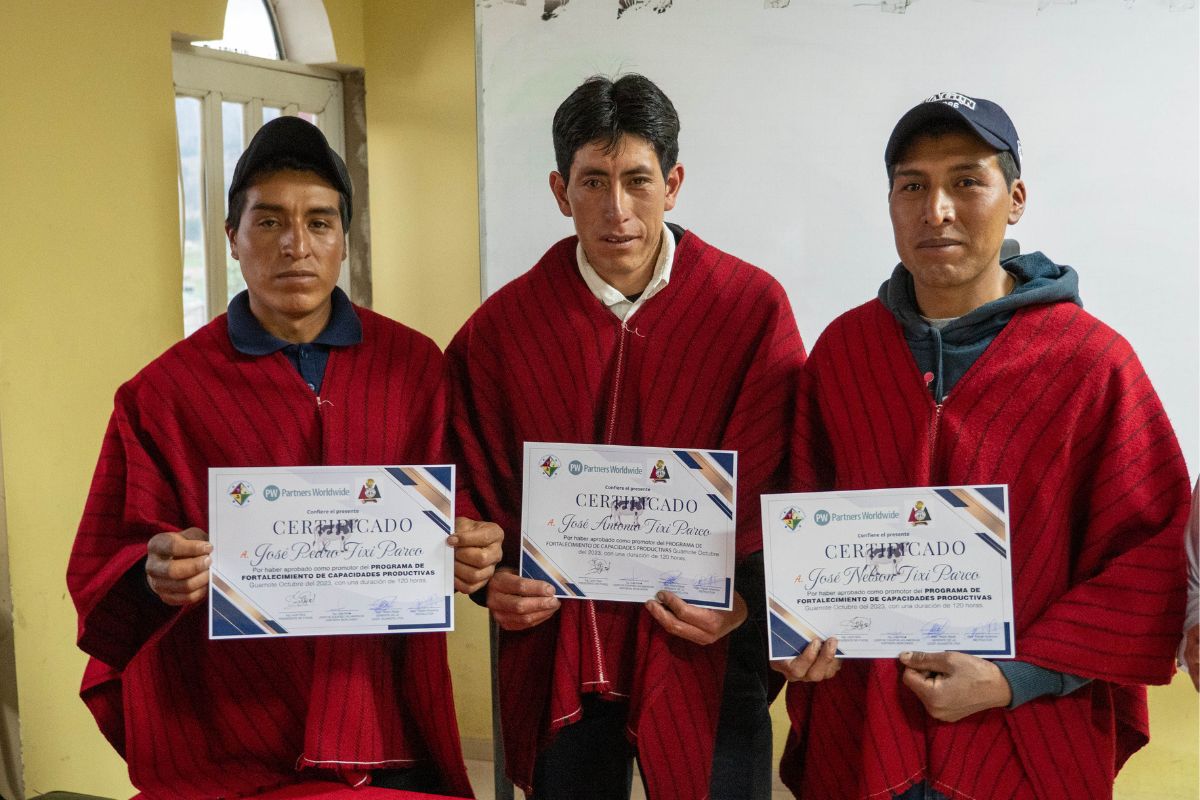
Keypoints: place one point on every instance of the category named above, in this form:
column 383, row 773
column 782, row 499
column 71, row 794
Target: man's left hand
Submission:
column 476, row 553
column 696, row 624
column 955, row 685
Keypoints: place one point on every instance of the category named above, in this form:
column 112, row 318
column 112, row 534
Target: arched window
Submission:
column 224, row 91
column 250, row 29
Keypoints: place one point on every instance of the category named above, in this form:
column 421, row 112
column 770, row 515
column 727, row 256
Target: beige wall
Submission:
column 90, row 291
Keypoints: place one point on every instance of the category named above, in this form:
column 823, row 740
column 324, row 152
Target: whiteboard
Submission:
column 785, row 112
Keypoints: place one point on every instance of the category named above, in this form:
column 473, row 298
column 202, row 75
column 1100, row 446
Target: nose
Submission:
column 294, row 241
column 939, row 208
column 616, row 203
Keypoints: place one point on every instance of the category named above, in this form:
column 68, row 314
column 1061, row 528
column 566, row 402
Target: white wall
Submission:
column 786, row 112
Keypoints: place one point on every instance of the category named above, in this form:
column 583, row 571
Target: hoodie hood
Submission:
column 944, row 355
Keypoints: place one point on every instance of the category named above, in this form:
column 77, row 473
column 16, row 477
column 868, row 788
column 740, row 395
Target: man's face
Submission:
column 617, row 201
column 290, row 245
column 950, row 209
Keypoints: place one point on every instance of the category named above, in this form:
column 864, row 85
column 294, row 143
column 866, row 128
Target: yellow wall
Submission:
column 424, row 221
column 90, row 291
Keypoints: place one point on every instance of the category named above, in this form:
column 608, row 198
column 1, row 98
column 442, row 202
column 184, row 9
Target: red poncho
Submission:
column 1059, row 408
column 200, row 719
column 710, row 362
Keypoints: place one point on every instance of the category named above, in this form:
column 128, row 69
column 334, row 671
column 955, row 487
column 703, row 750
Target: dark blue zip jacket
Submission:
column 950, row 352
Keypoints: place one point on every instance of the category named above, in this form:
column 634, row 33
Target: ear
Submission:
column 231, row 235
column 558, row 186
column 674, row 182
column 1018, row 201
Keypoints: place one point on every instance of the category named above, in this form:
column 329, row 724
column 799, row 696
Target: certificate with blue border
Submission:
column 620, row 523
column 890, row 570
column 318, row 551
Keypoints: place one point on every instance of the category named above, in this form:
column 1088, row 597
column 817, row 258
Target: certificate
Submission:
column 890, row 570
column 621, row 523
column 316, row 551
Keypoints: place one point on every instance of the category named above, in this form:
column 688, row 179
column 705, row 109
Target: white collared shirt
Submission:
column 618, row 303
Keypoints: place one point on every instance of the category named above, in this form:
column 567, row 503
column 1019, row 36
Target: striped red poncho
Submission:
column 201, row 719
column 1059, row 408
column 709, row 362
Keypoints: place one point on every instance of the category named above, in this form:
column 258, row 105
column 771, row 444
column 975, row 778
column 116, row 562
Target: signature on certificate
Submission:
column 987, row 630
column 708, row 582
column 856, row 624
column 383, row 604
column 669, row 580
column 598, row 566
column 427, row 604
column 935, row 627
column 301, row 598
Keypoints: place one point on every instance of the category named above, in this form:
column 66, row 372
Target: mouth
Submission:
column 938, row 243
column 295, row 274
column 617, row 241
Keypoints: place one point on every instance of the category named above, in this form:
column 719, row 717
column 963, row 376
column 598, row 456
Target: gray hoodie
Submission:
column 947, row 354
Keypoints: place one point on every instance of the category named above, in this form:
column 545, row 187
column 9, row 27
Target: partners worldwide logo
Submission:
column 239, row 492
column 271, row 493
column 549, row 465
column 792, row 518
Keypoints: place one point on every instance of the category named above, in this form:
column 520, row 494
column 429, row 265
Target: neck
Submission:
column 936, row 302
column 630, row 283
column 295, row 330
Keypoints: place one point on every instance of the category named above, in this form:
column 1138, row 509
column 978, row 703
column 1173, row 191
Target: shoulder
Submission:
column 723, row 274
column 1074, row 334
column 866, row 321
column 200, row 352
column 545, row 280
column 380, row 331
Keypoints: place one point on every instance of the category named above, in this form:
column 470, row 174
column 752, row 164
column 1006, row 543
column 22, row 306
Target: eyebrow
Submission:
column 963, row 166
column 320, row 211
column 641, row 169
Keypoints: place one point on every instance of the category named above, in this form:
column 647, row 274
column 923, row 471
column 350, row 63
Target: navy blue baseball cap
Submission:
column 295, row 138
column 987, row 119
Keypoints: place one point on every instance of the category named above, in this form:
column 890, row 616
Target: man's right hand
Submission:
column 518, row 603
column 177, row 566
column 818, row 662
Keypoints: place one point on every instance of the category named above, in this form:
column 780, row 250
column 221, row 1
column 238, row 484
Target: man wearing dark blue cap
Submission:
column 293, row 375
column 969, row 370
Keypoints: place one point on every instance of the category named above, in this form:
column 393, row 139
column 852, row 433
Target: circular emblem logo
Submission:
column 239, row 492
column 575, row 467
column 821, row 517
column 271, row 493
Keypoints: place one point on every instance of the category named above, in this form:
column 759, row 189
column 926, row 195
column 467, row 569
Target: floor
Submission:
column 481, row 779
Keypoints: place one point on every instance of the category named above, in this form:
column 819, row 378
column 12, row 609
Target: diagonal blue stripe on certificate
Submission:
column 992, row 543
column 436, row 517
column 721, row 505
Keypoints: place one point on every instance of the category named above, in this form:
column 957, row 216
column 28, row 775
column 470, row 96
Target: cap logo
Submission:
column 953, row 99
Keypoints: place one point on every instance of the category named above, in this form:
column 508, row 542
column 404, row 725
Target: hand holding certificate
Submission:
column 330, row 550
column 889, row 571
column 623, row 523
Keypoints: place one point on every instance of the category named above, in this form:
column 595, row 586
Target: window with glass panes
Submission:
column 224, row 92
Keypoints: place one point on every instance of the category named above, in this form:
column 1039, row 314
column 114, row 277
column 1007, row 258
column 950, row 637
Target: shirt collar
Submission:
column 249, row 337
column 658, row 279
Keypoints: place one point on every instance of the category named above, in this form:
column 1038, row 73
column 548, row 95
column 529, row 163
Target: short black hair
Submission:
column 603, row 110
column 237, row 203
column 942, row 127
